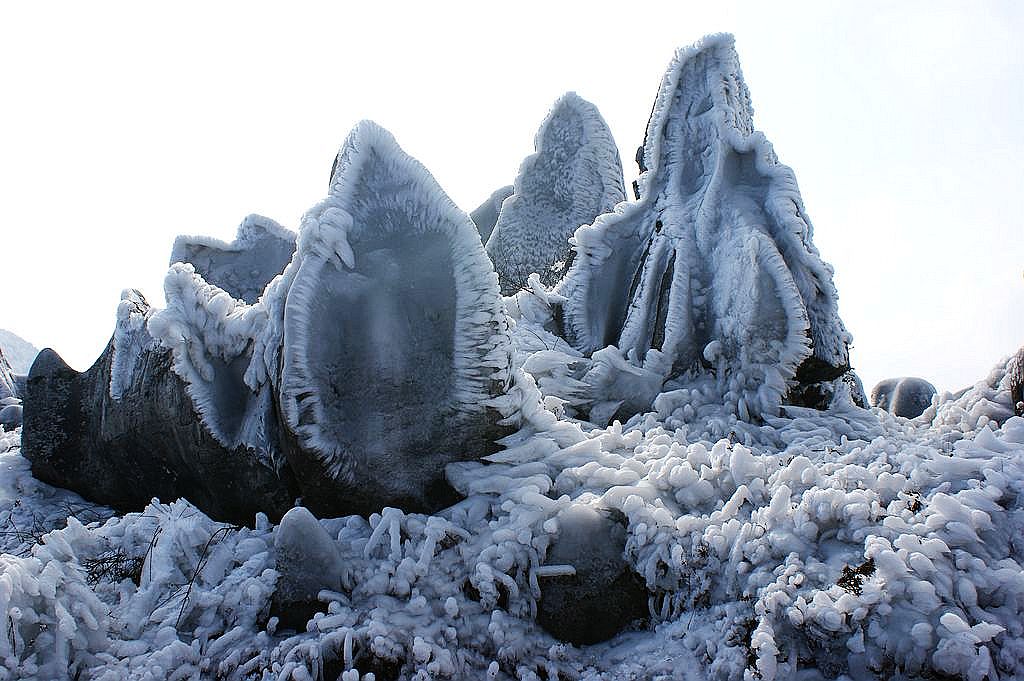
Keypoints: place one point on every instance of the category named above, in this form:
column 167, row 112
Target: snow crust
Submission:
column 574, row 176
column 244, row 267
column 725, row 279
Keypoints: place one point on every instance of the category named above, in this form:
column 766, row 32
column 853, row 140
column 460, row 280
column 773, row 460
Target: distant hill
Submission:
column 19, row 352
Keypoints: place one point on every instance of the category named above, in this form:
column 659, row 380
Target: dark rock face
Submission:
column 907, row 396
column 150, row 443
column 604, row 596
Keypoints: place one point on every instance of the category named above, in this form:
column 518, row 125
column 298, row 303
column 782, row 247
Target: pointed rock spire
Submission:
column 574, row 176
column 712, row 269
column 395, row 340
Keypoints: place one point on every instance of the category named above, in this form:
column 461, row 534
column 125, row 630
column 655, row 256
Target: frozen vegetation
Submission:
column 659, row 466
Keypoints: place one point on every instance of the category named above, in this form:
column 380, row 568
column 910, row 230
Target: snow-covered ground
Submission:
column 845, row 543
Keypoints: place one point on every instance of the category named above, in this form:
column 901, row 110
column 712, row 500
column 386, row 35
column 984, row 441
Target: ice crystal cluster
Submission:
column 743, row 516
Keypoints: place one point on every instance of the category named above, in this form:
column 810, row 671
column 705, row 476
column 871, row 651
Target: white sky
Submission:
column 122, row 126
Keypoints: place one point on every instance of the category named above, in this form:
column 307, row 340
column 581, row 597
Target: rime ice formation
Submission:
column 486, row 214
column 574, row 176
column 712, row 271
column 245, row 266
column 906, row 396
column 812, row 544
column 394, row 343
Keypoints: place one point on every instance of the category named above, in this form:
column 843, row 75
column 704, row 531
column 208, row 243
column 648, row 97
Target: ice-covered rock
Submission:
column 8, row 382
column 126, row 431
column 18, row 351
column 712, row 270
column 486, row 214
column 574, row 176
column 245, row 266
column 10, row 416
column 906, row 396
column 307, row 561
column 589, row 593
column 392, row 337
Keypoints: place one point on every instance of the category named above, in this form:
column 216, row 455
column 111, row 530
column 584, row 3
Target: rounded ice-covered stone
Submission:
column 307, row 561
column 906, row 396
column 603, row 596
column 11, row 416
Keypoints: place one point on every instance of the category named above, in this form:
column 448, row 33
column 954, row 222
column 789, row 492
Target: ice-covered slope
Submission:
column 18, row 351
column 574, row 176
column 486, row 214
column 724, row 277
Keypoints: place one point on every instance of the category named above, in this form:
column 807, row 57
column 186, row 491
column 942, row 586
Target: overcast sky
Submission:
column 122, row 126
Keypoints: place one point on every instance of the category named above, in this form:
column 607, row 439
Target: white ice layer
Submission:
column 244, row 267
column 724, row 276
column 847, row 541
column 389, row 311
column 574, row 176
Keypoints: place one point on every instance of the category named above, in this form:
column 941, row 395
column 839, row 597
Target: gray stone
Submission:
column 307, row 562
column 605, row 596
column 906, row 396
column 11, row 416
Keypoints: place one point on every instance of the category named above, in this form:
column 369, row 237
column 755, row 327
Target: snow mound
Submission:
column 574, row 176
column 245, row 266
column 725, row 279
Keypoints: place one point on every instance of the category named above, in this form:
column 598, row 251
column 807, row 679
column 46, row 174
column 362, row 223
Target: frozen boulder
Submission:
column 307, row 562
column 392, row 339
column 10, row 416
column 907, row 396
column 486, row 214
column 711, row 273
column 126, row 431
column 589, row 593
column 574, row 176
column 245, row 266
